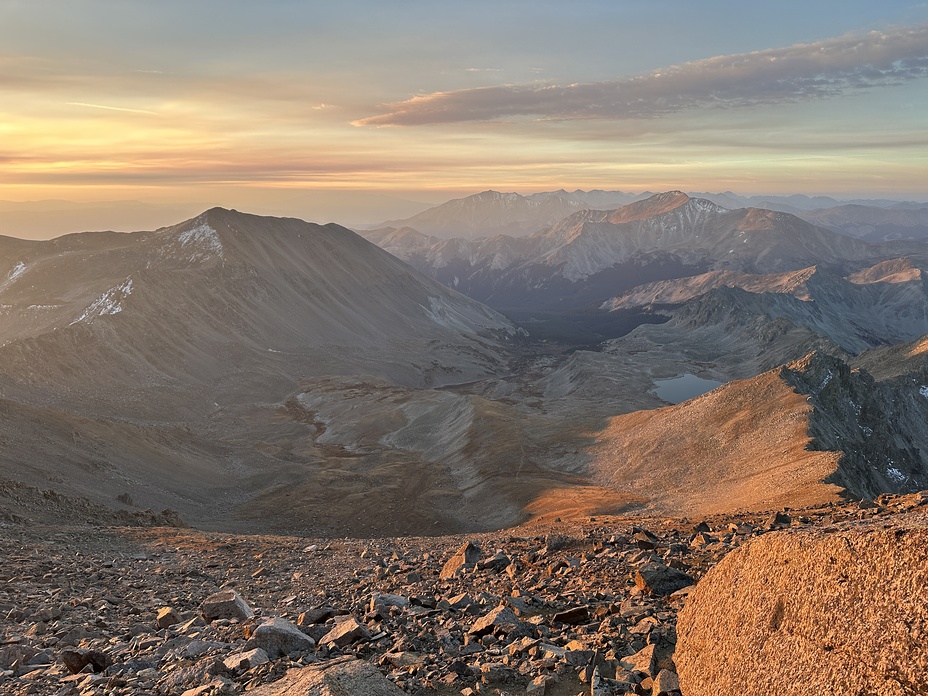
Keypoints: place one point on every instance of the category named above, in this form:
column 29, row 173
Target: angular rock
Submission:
column 405, row 659
column 666, row 684
column 539, row 685
column 278, row 637
column 659, row 580
column 465, row 557
column 461, row 601
column 824, row 611
column 226, row 604
column 388, row 600
column 334, row 678
column 217, row 686
column 315, row 616
column 345, row 633
column 643, row 661
column 16, row 654
column 76, row 660
column 246, row 660
column 574, row 616
column 498, row 562
column 776, row 520
column 502, row 618
column 166, row 617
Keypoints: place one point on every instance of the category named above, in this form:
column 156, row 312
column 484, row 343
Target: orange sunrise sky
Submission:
column 366, row 110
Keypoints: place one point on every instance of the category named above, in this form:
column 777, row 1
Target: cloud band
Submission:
column 800, row 72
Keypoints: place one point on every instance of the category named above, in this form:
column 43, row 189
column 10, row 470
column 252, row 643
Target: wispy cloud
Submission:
column 113, row 108
column 818, row 70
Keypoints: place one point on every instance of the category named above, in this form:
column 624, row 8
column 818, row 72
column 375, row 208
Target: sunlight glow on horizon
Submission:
column 266, row 101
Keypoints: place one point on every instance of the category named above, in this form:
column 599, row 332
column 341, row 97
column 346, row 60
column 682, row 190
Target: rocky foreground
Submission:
column 556, row 610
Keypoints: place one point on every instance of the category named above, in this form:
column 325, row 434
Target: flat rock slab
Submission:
column 834, row 611
column 349, row 678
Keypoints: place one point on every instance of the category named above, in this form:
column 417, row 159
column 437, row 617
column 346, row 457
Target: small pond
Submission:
column 683, row 388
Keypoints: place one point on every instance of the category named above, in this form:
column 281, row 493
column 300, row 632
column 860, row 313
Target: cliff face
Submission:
column 878, row 427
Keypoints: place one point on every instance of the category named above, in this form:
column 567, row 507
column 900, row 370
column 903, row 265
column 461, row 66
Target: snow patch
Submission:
column 923, row 391
column 17, row 271
column 896, row 475
column 109, row 303
column 202, row 242
column 444, row 314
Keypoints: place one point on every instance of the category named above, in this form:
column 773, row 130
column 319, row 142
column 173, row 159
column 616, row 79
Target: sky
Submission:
column 253, row 105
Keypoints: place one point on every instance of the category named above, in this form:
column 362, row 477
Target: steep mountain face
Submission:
column 872, row 223
column 230, row 294
column 160, row 362
column 591, row 255
column 810, row 432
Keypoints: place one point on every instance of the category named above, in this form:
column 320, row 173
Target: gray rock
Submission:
column 278, row 637
column 539, row 685
column 659, row 580
column 388, row 600
column 502, row 618
column 226, row 604
column 666, row 683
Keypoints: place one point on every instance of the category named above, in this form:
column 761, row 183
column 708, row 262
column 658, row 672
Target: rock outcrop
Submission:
column 839, row 610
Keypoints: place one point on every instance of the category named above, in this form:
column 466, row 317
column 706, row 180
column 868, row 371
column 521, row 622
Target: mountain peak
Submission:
column 657, row 204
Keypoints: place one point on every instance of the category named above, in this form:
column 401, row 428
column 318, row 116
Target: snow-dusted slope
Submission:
column 225, row 294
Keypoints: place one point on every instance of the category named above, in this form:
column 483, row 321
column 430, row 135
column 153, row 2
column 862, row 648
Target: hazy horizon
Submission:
column 49, row 218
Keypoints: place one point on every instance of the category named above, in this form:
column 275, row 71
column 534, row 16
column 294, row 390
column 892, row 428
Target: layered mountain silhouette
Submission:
column 258, row 373
column 491, row 212
column 589, row 255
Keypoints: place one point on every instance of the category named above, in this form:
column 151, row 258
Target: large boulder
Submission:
column 841, row 610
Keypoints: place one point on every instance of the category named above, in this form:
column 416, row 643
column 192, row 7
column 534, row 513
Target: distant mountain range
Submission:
column 269, row 374
column 590, row 255
column 491, row 213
